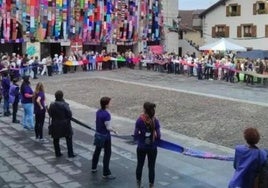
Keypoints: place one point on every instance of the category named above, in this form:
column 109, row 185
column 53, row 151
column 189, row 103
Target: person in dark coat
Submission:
column 5, row 89
column 60, row 126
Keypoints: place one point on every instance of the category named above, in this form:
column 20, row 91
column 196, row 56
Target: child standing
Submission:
column 14, row 98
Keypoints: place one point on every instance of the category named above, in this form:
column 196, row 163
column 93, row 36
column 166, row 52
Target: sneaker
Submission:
column 109, row 177
column 16, row 121
column 94, row 170
column 43, row 141
column 6, row 114
column 72, row 156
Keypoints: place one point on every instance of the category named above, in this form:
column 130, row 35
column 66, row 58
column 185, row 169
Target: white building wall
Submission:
column 170, row 13
column 218, row 16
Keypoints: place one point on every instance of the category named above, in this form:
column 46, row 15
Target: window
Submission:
column 260, row 8
column 233, row 10
column 247, row 30
column 220, row 31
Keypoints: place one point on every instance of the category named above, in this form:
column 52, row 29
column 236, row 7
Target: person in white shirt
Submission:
column 59, row 63
column 43, row 62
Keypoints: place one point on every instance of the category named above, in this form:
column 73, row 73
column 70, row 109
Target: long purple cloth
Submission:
column 171, row 146
column 192, row 153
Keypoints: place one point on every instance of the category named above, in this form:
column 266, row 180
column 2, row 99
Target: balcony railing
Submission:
column 220, row 34
column 261, row 11
column 234, row 13
column 247, row 35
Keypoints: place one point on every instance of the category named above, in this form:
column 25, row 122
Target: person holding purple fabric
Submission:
column 248, row 160
column 39, row 111
column 103, row 127
column 27, row 103
column 147, row 133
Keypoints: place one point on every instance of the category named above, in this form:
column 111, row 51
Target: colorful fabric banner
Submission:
column 95, row 21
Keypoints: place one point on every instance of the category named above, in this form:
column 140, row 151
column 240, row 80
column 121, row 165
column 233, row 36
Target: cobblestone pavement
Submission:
column 27, row 163
column 213, row 111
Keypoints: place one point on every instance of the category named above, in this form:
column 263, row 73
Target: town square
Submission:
column 143, row 93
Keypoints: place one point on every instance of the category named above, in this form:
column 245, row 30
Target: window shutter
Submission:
column 254, row 9
column 227, row 28
column 213, row 32
column 238, row 10
column 227, row 11
column 254, row 31
column 239, row 32
column 266, row 31
column 266, row 7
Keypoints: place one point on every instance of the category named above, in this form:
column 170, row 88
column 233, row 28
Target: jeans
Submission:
column 28, row 115
column 151, row 155
column 106, row 157
column 39, row 123
column 6, row 104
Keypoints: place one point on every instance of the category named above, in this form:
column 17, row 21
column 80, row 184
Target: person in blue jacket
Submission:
column 147, row 133
column 248, row 160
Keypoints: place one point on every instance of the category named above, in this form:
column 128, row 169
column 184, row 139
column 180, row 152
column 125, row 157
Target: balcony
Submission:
column 234, row 13
column 247, row 35
column 261, row 11
column 220, row 34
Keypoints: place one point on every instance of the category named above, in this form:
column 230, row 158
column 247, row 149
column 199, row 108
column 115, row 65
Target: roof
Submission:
column 212, row 7
column 187, row 17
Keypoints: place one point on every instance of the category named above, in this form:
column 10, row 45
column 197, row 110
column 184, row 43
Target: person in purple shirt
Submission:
column 248, row 159
column 14, row 98
column 27, row 103
column 147, row 133
column 103, row 127
column 39, row 111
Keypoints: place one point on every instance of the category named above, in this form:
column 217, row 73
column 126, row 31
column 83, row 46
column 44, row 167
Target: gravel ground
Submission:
column 214, row 120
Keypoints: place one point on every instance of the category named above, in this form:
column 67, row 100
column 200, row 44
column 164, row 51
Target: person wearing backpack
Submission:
column 247, row 161
column 147, row 133
column 14, row 98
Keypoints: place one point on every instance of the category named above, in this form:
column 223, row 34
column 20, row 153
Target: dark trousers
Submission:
column 238, row 77
column 49, row 70
column 14, row 111
column 199, row 73
column 35, row 71
column 106, row 157
column 39, row 123
column 151, row 155
column 250, row 79
column 69, row 142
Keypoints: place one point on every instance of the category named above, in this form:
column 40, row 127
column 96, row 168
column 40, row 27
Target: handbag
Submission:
column 99, row 140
